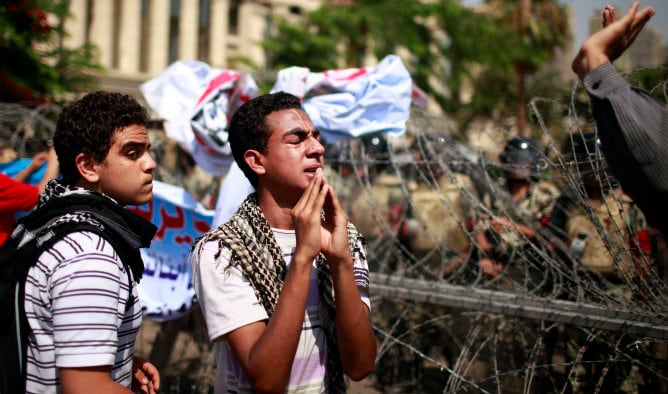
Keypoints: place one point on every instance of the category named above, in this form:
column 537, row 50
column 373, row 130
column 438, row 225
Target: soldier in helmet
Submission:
column 438, row 229
column 606, row 234
column 379, row 203
column 603, row 227
column 509, row 233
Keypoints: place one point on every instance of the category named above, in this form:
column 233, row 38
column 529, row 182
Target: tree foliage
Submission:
column 450, row 48
column 534, row 29
column 35, row 66
column 441, row 38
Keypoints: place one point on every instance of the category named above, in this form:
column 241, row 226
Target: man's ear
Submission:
column 255, row 161
column 87, row 167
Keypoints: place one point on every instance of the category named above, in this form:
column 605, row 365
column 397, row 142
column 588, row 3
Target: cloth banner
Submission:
column 353, row 102
column 196, row 103
column 166, row 290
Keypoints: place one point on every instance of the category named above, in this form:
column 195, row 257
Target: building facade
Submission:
column 646, row 50
column 138, row 39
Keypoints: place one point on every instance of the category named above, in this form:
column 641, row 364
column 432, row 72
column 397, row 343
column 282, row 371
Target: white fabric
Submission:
column 353, row 102
column 173, row 95
column 234, row 189
column 196, row 102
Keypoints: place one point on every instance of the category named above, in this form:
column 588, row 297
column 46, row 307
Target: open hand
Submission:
column 610, row 42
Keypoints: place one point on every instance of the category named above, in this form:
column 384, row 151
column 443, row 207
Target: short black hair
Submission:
column 249, row 130
column 88, row 126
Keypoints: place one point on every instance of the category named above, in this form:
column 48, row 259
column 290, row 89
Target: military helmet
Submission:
column 583, row 148
column 521, row 159
column 376, row 146
column 432, row 145
column 376, row 150
column 583, row 151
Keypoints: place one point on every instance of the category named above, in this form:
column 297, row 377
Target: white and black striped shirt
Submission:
column 77, row 307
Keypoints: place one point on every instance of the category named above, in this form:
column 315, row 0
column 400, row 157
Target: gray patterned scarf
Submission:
column 254, row 249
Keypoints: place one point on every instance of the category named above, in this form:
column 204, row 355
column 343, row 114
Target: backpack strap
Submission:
column 15, row 262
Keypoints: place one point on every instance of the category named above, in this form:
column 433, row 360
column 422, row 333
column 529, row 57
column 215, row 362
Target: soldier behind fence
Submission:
column 509, row 232
column 609, row 255
column 340, row 172
column 437, row 232
column 605, row 231
column 378, row 206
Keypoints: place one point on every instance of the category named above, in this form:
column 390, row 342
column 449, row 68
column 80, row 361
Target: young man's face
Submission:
column 294, row 151
column 126, row 174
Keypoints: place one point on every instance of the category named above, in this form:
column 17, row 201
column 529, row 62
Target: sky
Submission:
column 582, row 11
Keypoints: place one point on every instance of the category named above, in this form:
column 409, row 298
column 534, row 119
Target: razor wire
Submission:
column 543, row 321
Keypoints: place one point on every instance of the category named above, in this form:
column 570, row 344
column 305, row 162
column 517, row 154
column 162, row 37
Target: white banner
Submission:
column 196, row 103
column 166, row 290
column 353, row 102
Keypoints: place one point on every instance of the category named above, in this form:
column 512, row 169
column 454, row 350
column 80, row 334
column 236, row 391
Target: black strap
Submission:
column 15, row 263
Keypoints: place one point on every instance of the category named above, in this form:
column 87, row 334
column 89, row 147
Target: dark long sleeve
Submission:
column 633, row 128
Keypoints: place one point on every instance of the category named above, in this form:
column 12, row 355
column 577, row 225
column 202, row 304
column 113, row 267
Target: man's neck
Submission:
column 518, row 189
column 277, row 213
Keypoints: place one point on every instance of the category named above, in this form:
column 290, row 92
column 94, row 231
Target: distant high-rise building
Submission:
column 646, row 50
column 561, row 62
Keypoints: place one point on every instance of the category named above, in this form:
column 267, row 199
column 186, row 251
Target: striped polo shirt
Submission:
column 76, row 301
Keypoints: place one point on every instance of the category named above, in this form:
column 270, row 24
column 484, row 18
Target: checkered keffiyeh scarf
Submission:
column 254, row 249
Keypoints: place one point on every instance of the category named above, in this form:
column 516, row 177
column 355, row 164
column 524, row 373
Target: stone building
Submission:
column 138, row 39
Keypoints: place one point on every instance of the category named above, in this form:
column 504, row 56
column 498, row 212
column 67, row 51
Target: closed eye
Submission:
column 298, row 136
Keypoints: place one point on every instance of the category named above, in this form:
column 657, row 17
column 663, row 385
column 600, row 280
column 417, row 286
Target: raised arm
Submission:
column 50, row 172
column 609, row 43
column 37, row 160
column 632, row 124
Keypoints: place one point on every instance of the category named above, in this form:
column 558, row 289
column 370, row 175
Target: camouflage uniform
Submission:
column 606, row 262
column 370, row 209
column 376, row 210
column 443, row 217
column 512, row 248
column 618, row 219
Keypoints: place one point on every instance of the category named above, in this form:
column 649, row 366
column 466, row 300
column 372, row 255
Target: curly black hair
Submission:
column 248, row 128
column 88, row 126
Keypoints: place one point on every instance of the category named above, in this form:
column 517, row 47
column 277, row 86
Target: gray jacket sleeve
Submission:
column 633, row 128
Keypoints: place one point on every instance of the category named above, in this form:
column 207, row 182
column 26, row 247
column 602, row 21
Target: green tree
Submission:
column 451, row 49
column 35, row 66
column 534, row 30
column 654, row 80
column 442, row 39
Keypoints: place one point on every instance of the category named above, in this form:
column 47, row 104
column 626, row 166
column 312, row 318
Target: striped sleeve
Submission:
column 640, row 118
column 77, row 306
